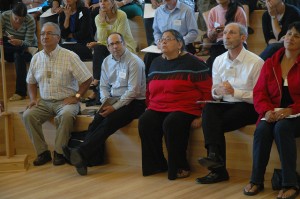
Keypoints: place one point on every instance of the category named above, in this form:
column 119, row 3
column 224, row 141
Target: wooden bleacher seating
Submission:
column 124, row 146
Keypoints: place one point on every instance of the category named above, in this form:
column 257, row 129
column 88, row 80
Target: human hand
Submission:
column 219, row 29
column 94, row 6
column 283, row 113
column 32, row 103
column 91, row 44
column 71, row 100
column 155, row 4
column 270, row 116
column 102, row 16
column 57, row 10
column 107, row 110
column 67, row 10
column 271, row 8
column 224, row 88
column 15, row 42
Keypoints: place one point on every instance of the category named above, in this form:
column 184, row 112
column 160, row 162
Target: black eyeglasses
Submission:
column 43, row 34
column 167, row 39
column 116, row 43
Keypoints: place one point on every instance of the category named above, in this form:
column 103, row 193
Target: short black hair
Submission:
column 20, row 9
column 295, row 25
column 113, row 33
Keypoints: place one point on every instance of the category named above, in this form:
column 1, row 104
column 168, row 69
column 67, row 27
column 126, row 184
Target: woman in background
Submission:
column 19, row 30
column 75, row 25
column 225, row 12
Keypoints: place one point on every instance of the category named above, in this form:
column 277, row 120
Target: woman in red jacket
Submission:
column 277, row 101
column 176, row 81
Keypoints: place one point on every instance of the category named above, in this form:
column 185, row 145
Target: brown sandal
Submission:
column 284, row 190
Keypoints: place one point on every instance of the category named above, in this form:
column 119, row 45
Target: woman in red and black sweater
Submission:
column 176, row 81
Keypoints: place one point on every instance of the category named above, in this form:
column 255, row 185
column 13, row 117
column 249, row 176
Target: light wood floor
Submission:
column 115, row 181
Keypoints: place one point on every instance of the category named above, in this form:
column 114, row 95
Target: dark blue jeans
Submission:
column 270, row 50
column 19, row 56
column 284, row 133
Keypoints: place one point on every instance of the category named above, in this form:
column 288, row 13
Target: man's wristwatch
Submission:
column 78, row 95
column 273, row 17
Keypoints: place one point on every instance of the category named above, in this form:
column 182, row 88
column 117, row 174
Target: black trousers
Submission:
column 220, row 118
column 102, row 127
column 84, row 53
column 175, row 127
column 100, row 53
column 19, row 56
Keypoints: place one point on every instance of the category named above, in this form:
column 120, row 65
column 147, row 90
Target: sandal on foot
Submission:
column 16, row 97
column 284, row 190
column 255, row 187
column 183, row 173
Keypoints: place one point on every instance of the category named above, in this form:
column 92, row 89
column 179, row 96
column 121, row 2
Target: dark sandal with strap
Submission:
column 259, row 188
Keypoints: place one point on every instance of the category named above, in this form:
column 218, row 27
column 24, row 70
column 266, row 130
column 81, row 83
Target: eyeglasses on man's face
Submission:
column 114, row 43
column 43, row 34
column 166, row 39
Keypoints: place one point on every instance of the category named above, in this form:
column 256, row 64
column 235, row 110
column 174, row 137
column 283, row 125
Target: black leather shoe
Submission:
column 212, row 161
column 58, row 159
column 77, row 161
column 213, row 177
column 42, row 159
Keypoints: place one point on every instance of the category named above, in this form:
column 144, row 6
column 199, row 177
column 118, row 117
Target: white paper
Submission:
column 213, row 102
column 69, row 42
column 151, row 49
column 149, row 12
column 32, row 10
column 48, row 13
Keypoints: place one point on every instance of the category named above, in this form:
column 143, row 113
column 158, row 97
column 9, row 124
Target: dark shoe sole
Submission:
column 203, row 181
column 40, row 164
column 59, row 162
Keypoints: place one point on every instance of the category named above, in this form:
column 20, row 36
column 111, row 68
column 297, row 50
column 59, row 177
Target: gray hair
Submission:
column 242, row 28
column 56, row 27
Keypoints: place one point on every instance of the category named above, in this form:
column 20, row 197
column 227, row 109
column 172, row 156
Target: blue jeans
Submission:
column 270, row 50
column 284, row 133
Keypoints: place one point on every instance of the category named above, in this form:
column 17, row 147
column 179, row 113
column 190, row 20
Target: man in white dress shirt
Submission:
column 234, row 73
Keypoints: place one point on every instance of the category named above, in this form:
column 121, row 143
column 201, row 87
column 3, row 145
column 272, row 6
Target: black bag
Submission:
column 277, row 179
column 77, row 138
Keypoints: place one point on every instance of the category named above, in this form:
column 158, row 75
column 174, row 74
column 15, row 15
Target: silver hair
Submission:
column 56, row 27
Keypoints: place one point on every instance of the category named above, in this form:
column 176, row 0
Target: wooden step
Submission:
column 14, row 163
